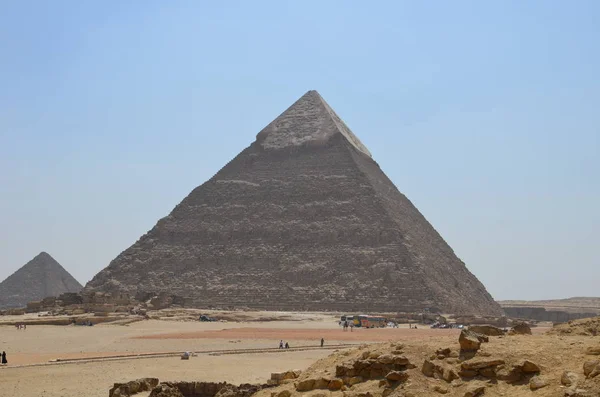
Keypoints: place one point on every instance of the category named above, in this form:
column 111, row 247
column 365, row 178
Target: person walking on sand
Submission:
column 322, row 342
column 281, row 344
column 4, row 362
column 287, row 345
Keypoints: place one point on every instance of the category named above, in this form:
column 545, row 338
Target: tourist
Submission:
column 281, row 344
column 4, row 362
column 287, row 345
column 322, row 342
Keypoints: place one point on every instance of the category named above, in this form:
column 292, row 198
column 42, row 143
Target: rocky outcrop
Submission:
column 488, row 330
column 39, row 278
column 183, row 389
column 166, row 390
column 135, row 386
column 470, row 341
column 279, row 378
column 520, row 329
column 289, row 223
column 541, row 314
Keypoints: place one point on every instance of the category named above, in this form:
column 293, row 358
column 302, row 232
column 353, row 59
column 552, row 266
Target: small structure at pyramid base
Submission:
column 39, row 278
column 302, row 219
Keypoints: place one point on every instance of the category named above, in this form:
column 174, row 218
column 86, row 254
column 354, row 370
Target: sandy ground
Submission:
column 29, row 372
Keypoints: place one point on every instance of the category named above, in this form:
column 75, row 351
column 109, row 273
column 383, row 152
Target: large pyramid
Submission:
column 37, row 279
column 301, row 219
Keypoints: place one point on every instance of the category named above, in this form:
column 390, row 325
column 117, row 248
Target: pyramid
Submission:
column 39, row 278
column 302, row 219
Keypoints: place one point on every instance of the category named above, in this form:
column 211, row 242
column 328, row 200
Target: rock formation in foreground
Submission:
column 303, row 218
column 39, row 278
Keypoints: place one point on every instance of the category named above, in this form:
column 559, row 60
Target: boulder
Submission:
column 590, row 366
column 529, row 367
column 335, row 384
column 386, row 359
column 449, row 374
column 306, row 385
column 429, row 368
column 575, row 392
column 283, row 393
column 569, row 378
column 401, row 360
column 165, row 390
column 509, row 375
column 537, row 382
column 351, row 381
column 481, row 363
column 467, row 373
column 474, row 390
column 520, row 329
column 488, row 330
column 322, row 383
column 443, row 352
column 470, row 341
column 133, row 387
column 345, row 370
column 593, row 351
column 397, row 376
column 441, row 389
column 489, row 372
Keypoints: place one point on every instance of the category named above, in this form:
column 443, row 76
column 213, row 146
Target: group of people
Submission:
column 21, row 326
column 283, row 346
column 345, row 325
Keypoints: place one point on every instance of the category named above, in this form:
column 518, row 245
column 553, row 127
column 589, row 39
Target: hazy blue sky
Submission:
column 485, row 114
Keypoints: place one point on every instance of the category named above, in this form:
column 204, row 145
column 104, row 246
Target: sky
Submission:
column 485, row 114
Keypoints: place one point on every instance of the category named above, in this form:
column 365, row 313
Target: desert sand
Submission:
column 91, row 359
column 31, row 373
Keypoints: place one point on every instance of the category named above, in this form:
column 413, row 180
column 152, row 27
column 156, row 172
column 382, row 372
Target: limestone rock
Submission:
column 305, row 385
column 428, row 368
column 590, row 366
column 569, row 378
column 529, row 367
column 165, row 390
column 133, row 387
column 520, row 329
column 537, row 382
column 386, row 359
column 351, row 381
column 397, row 376
column 488, row 330
column 480, row 363
column 468, row 341
column 295, row 215
column 449, row 374
column 593, row 351
column 475, row 389
column 509, row 375
column 335, row 384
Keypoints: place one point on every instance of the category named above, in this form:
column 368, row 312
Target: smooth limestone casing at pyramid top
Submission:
column 302, row 219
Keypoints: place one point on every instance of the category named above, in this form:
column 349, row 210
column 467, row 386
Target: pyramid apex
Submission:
column 309, row 121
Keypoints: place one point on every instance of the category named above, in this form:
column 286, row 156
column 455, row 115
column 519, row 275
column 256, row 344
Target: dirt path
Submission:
column 358, row 335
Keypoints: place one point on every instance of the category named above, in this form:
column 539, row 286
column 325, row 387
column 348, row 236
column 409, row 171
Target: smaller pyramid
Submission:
column 37, row 279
